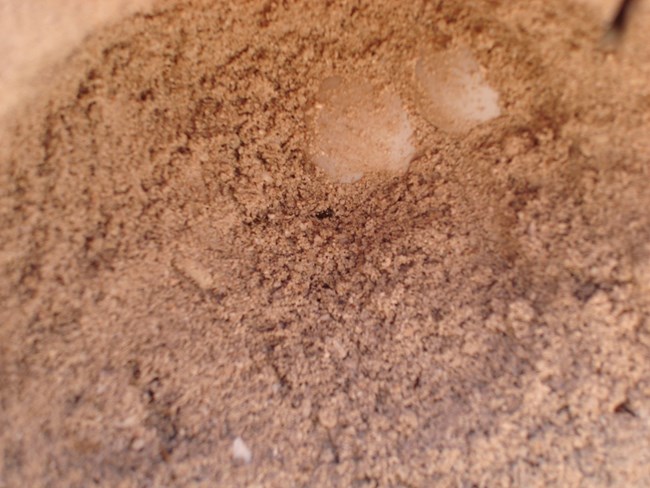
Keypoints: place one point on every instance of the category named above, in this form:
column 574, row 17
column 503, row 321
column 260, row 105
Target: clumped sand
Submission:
column 188, row 301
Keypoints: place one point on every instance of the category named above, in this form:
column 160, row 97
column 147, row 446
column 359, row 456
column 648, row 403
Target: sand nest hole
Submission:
column 358, row 244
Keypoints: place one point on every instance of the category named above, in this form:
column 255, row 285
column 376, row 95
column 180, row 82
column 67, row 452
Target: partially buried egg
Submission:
column 358, row 128
column 453, row 93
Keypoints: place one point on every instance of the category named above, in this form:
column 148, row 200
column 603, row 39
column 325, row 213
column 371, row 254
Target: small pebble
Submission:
column 240, row 451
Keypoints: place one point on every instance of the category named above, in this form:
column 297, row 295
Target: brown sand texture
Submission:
column 278, row 244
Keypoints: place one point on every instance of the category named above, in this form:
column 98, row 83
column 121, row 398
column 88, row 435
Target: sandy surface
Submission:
column 38, row 34
column 188, row 301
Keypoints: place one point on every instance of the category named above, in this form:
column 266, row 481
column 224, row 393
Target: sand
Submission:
column 188, row 301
